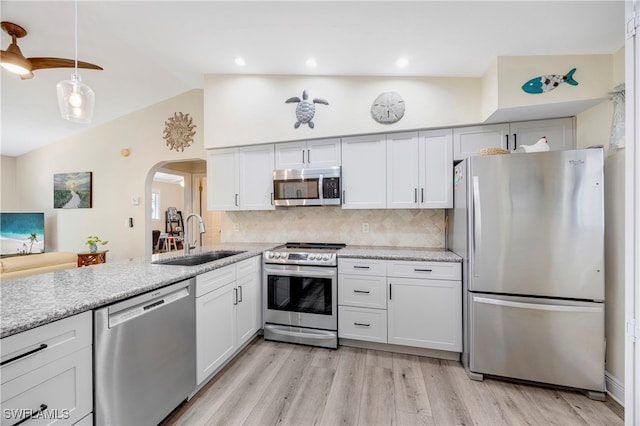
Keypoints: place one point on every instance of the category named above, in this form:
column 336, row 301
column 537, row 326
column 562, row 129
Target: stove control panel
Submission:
column 300, row 258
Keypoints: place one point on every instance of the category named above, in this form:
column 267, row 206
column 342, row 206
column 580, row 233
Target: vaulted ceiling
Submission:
column 153, row 50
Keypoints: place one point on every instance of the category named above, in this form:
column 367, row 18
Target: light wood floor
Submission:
column 283, row 384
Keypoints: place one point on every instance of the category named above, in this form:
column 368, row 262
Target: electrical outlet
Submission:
column 365, row 227
column 236, row 227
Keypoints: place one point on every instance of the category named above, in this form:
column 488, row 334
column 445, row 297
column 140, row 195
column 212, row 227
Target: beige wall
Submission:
column 9, row 200
column 251, row 109
column 116, row 179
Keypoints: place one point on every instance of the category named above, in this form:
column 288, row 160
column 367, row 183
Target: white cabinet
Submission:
column 408, row 303
column 364, row 172
column 227, row 313
column 223, row 187
column 419, row 170
column 467, row 141
column 362, row 299
column 424, row 311
column 48, row 372
column 249, row 297
column 559, row 132
column 303, row 154
column 240, row 178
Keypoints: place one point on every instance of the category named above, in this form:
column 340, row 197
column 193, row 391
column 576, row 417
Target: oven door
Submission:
column 301, row 296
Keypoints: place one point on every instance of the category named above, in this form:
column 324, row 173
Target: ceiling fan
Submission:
column 14, row 61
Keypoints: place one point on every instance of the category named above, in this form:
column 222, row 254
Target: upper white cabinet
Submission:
column 364, row 172
column 419, row 170
column 559, row 132
column 303, row 154
column 240, row 178
column 468, row 140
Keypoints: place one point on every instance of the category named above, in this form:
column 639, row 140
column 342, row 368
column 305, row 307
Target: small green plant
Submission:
column 94, row 240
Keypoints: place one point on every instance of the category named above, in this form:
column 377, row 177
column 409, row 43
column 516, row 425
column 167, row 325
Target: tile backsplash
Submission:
column 393, row 227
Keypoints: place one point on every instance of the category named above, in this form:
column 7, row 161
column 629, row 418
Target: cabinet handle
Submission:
column 235, row 296
column 361, row 291
column 303, row 156
column 506, row 141
column 32, row 414
column 344, row 197
column 15, row 358
column 423, row 270
column 360, row 267
column 361, row 324
column 272, row 198
column 389, row 291
column 515, row 142
column 422, row 195
column 415, row 195
column 240, row 291
column 309, row 156
column 236, row 200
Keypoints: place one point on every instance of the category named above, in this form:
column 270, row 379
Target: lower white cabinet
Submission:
column 47, row 373
column 425, row 313
column 408, row 303
column 227, row 313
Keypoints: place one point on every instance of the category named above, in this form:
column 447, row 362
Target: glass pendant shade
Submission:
column 75, row 99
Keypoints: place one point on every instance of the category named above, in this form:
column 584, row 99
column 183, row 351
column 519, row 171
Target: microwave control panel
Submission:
column 331, row 187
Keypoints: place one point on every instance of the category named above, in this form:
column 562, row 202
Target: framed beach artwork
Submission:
column 72, row 190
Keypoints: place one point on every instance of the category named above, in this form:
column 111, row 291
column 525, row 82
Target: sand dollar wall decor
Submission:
column 178, row 131
column 388, row 108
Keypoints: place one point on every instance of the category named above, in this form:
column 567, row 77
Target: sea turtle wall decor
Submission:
column 306, row 109
column 178, row 131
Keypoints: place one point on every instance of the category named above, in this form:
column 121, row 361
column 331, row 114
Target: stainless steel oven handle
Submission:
column 330, row 273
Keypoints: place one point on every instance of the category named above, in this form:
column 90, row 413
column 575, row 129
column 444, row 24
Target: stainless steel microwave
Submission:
column 307, row 187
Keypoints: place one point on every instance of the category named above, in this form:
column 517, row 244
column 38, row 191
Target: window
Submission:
column 155, row 205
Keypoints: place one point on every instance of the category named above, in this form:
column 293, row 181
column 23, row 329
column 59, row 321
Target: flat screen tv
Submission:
column 21, row 233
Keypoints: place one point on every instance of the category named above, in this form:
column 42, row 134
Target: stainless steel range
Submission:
column 300, row 294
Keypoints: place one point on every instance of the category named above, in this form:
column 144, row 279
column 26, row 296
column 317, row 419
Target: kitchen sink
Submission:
column 197, row 259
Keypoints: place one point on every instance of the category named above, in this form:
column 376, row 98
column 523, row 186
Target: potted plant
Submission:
column 92, row 242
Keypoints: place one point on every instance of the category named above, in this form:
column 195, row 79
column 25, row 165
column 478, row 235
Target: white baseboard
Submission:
column 615, row 388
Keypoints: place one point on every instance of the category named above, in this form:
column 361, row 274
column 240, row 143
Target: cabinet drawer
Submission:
column 56, row 339
column 362, row 266
column 429, row 270
column 215, row 279
column 62, row 389
column 248, row 267
column 363, row 291
column 362, row 324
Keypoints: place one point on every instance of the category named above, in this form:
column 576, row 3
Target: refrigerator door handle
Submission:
column 477, row 224
column 536, row 306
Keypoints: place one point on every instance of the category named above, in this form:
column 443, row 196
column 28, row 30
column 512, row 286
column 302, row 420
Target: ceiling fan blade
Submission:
column 43, row 63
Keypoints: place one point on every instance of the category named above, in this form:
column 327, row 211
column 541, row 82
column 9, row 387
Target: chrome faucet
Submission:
column 187, row 244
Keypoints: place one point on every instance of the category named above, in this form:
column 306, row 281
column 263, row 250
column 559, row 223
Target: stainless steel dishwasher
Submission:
column 144, row 356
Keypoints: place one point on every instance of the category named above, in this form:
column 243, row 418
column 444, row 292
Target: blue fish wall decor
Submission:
column 547, row 83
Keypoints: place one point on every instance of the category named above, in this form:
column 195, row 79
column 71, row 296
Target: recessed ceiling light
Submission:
column 402, row 62
column 311, row 63
column 240, row 61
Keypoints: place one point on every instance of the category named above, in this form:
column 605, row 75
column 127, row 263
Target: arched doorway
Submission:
column 183, row 185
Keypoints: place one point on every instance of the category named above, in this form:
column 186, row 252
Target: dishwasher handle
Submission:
column 147, row 303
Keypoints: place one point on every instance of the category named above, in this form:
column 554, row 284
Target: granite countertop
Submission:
column 36, row 300
column 399, row 253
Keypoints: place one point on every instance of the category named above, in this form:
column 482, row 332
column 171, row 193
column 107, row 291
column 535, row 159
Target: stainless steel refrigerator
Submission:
column 530, row 228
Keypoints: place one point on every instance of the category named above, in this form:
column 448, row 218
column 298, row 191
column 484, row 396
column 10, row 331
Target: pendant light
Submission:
column 75, row 99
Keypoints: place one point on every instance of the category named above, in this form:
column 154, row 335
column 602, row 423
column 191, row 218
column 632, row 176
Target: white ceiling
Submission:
column 153, row 50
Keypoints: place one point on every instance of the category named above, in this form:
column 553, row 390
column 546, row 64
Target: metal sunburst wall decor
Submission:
column 178, row 131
